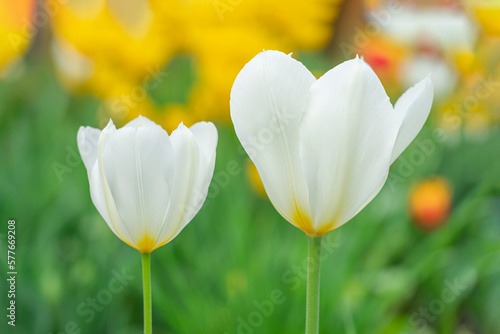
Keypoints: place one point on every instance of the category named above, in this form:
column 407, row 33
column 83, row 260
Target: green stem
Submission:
column 146, row 283
column 313, row 271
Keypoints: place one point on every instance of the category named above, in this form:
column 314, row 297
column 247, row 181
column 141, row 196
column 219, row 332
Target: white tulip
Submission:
column 146, row 184
column 322, row 147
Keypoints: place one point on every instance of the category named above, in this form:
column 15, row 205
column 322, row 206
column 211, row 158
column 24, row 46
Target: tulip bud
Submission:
column 146, row 184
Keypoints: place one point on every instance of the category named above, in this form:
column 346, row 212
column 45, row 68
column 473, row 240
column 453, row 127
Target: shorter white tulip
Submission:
column 146, row 184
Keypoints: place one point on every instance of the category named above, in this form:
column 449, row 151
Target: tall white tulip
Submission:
column 323, row 147
column 146, row 184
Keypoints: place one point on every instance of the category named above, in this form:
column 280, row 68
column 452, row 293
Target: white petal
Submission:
column 87, row 139
column 268, row 100
column 139, row 168
column 187, row 160
column 100, row 193
column 141, row 121
column 346, row 142
column 206, row 136
column 413, row 107
column 99, row 199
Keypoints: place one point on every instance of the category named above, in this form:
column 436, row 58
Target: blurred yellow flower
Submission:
column 109, row 48
column 430, row 202
column 116, row 45
column 487, row 13
column 120, row 38
column 16, row 28
column 224, row 36
column 464, row 61
column 473, row 108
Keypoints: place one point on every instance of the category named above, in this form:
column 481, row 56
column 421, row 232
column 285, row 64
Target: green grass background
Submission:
column 377, row 275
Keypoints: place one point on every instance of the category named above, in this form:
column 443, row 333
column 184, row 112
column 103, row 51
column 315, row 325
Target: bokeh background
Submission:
column 423, row 257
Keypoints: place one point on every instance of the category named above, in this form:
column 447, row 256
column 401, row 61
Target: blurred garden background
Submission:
column 423, row 257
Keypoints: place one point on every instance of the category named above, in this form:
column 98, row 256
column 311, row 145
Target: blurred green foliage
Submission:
column 238, row 267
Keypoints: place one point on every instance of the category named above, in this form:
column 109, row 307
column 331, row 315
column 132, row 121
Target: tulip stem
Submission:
column 313, row 279
column 146, row 284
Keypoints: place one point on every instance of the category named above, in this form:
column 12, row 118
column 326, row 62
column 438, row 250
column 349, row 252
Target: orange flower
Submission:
column 385, row 56
column 430, row 202
column 16, row 28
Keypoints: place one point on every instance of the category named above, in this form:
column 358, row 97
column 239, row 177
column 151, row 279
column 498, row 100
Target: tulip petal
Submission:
column 87, row 139
column 139, row 167
column 268, row 101
column 100, row 201
column 187, row 160
column 347, row 138
column 205, row 134
column 413, row 107
column 140, row 121
column 206, row 137
column 193, row 178
column 100, row 193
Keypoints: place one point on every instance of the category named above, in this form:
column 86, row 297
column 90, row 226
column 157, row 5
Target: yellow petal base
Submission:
column 146, row 244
